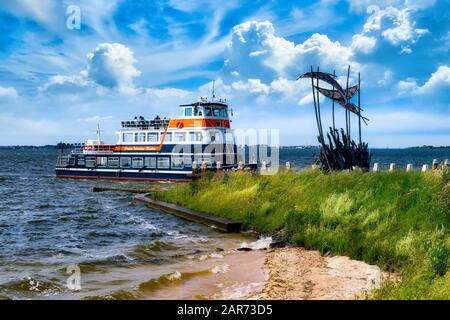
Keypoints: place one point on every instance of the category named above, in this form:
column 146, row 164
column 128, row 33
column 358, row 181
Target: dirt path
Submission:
column 296, row 273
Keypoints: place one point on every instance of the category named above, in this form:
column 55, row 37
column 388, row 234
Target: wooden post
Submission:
column 409, row 167
column 425, row 168
column 194, row 167
column 218, row 166
column 263, row 166
column 376, row 167
column 203, row 167
column 434, row 165
column 446, row 164
column 240, row 165
column 392, row 167
column 288, row 165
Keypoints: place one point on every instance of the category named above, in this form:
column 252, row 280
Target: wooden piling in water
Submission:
column 409, row 167
column 392, row 167
column 434, row 165
column 191, row 215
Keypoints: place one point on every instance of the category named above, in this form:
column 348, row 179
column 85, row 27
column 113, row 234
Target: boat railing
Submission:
column 145, row 124
column 65, row 161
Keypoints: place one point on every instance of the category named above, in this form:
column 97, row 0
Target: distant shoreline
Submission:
column 69, row 145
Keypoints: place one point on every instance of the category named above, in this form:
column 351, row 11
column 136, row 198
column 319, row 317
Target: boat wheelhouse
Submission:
column 158, row 149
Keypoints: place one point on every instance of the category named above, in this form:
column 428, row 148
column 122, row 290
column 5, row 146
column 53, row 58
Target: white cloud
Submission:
column 439, row 80
column 41, row 11
column 362, row 5
column 363, row 44
column 95, row 119
column 8, row 93
column 386, row 79
column 255, row 52
column 394, row 25
column 167, row 93
column 253, row 86
column 112, row 65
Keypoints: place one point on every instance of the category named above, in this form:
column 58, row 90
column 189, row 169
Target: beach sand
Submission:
column 296, row 273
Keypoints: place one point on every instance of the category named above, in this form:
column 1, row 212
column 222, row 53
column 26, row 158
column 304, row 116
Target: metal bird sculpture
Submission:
column 341, row 152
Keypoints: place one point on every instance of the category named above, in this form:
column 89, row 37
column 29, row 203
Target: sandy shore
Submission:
column 296, row 273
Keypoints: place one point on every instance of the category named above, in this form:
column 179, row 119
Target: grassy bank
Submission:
column 398, row 221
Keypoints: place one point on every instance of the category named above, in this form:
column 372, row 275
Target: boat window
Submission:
column 125, row 162
column 150, row 162
column 215, row 136
column 102, row 161
column 91, row 162
column 179, row 137
column 163, row 163
column 81, row 161
column 139, row 137
column 188, row 161
column 177, row 163
column 216, row 112
column 195, row 136
column 127, row 137
column 113, row 162
column 168, row 137
column 137, row 162
column 152, row 137
column 223, row 113
column 208, row 112
column 188, row 112
column 229, row 137
column 198, row 111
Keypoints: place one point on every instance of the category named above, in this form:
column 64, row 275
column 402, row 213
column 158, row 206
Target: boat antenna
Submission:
column 99, row 138
column 213, row 94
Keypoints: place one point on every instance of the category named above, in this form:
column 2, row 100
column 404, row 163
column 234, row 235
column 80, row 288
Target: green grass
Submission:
column 398, row 221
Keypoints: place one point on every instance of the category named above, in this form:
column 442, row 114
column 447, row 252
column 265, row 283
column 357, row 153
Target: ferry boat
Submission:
column 159, row 149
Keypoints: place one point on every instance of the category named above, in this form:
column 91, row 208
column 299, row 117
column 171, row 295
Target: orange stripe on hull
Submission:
column 198, row 123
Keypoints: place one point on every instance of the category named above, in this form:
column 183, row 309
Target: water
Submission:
column 48, row 224
column 124, row 249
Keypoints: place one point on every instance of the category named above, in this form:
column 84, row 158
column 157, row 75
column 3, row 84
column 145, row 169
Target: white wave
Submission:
column 261, row 243
column 221, row 269
column 174, row 276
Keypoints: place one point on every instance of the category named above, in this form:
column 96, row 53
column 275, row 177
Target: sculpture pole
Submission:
column 332, row 104
column 347, row 112
column 359, row 108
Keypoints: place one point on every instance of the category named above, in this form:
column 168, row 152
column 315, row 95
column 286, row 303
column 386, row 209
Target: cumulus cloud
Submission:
column 363, row 44
column 251, row 86
column 112, row 65
column 394, row 25
column 255, row 52
column 7, row 93
column 439, row 80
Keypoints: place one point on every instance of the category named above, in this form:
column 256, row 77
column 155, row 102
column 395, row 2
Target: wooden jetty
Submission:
column 102, row 189
column 191, row 215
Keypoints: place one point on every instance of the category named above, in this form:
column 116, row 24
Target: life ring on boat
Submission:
column 180, row 125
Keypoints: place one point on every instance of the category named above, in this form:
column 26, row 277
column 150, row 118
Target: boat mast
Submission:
column 99, row 138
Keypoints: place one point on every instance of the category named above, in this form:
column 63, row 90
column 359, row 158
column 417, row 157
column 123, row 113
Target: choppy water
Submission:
column 124, row 249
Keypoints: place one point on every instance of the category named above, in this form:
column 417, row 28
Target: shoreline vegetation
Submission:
column 398, row 221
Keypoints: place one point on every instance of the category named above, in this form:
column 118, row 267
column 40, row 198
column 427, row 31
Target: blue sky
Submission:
column 146, row 57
